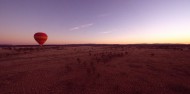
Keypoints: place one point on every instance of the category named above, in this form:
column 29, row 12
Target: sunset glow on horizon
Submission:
column 95, row 21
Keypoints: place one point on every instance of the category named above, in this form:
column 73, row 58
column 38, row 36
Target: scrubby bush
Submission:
column 79, row 60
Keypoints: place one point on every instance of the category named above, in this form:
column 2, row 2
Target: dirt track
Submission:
column 95, row 70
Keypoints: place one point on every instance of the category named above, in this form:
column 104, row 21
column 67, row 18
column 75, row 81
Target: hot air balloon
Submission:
column 40, row 37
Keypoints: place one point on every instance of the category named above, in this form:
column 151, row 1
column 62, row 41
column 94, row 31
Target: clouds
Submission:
column 82, row 26
column 105, row 32
column 89, row 24
column 103, row 15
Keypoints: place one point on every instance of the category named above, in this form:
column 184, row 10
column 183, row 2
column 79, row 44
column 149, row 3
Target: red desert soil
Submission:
column 95, row 70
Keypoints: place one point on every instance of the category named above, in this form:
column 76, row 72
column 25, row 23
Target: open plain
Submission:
column 95, row 69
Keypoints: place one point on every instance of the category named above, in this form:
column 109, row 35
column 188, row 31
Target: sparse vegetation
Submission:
column 114, row 69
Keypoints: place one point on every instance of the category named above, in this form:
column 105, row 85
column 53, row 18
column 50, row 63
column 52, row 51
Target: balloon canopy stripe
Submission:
column 40, row 34
column 40, row 37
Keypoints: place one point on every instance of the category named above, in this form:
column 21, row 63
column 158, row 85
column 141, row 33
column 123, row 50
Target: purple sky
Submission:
column 95, row 21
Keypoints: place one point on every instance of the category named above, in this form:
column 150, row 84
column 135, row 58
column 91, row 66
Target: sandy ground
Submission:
column 95, row 70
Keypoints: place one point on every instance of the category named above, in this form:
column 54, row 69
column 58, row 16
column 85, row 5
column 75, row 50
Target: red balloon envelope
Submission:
column 40, row 37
